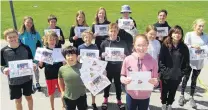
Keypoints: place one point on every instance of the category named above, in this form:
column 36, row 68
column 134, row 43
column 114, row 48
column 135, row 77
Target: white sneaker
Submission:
column 169, row 107
column 164, row 107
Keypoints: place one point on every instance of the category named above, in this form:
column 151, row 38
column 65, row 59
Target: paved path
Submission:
column 41, row 100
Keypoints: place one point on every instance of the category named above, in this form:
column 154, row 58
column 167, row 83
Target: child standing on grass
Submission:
column 30, row 37
column 80, row 22
column 52, row 20
column 199, row 40
column 154, row 45
column 100, row 19
column 162, row 15
column 138, row 61
column 87, row 37
column 113, row 67
column 174, row 62
column 51, row 71
column 20, row 85
column 72, row 88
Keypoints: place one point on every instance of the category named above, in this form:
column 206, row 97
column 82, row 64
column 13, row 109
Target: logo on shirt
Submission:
column 129, row 68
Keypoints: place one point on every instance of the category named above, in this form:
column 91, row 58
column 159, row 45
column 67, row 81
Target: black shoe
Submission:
column 33, row 89
column 38, row 87
column 94, row 107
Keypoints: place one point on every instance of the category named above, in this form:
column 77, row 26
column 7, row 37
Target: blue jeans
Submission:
column 133, row 104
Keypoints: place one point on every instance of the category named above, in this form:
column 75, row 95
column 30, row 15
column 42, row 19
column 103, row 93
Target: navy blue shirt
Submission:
column 83, row 46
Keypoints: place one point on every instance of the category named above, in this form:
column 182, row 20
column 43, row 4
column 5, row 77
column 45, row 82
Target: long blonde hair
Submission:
column 78, row 13
column 96, row 20
column 23, row 28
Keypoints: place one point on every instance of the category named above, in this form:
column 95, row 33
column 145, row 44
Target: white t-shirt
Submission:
column 154, row 49
column 191, row 38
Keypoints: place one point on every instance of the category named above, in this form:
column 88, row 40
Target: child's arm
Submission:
column 124, row 79
column 4, row 69
column 61, row 83
column 39, row 41
column 72, row 36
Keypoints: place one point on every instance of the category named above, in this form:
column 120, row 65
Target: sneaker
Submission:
column 94, row 107
column 169, row 107
column 33, row 89
column 38, row 87
column 181, row 101
column 164, row 107
column 193, row 103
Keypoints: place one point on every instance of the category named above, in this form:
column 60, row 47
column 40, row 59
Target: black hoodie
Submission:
column 114, row 66
column 174, row 63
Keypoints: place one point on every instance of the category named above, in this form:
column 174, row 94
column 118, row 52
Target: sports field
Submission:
column 181, row 13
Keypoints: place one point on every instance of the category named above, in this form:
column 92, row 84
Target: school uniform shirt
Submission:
column 191, row 38
column 130, row 64
column 51, row 71
column 22, row 52
column 174, row 63
column 91, row 46
column 114, row 66
column 100, row 39
column 74, row 87
column 154, row 49
column 77, row 42
column 31, row 40
column 61, row 34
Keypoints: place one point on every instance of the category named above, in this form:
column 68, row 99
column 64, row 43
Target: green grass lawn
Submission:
column 181, row 13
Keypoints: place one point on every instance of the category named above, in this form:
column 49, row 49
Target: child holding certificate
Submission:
column 154, row 45
column 51, row 71
column 30, row 37
column 141, row 63
column 173, row 64
column 87, row 37
column 113, row 67
column 198, row 40
column 100, row 19
column 80, row 22
column 72, row 88
column 162, row 23
column 22, row 85
column 52, row 20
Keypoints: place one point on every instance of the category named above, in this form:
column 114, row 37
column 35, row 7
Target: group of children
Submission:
column 166, row 57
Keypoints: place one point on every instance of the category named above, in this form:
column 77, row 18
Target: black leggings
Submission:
column 116, row 76
column 194, row 77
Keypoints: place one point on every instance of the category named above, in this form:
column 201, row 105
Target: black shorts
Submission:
column 16, row 91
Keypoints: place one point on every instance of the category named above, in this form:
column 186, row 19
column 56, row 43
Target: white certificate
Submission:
column 20, row 68
column 94, row 65
column 78, row 30
column 57, row 55
column 101, row 30
column 87, row 53
column 143, row 76
column 57, row 31
column 44, row 55
column 162, row 31
column 198, row 54
column 95, row 84
column 125, row 24
column 114, row 54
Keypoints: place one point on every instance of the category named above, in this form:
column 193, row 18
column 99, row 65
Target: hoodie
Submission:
column 118, row 43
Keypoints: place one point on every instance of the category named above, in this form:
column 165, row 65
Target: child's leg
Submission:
column 117, row 83
column 93, row 99
column 173, row 85
column 29, row 102
column 52, row 101
column 164, row 91
column 194, row 77
column 27, row 92
column 80, row 102
column 143, row 104
column 51, row 86
column 37, row 77
column 130, row 102
column 107, row 89
column 18, row 103
column 63, row 105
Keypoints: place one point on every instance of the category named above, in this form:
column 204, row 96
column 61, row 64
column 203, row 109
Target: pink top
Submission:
column 148, row 64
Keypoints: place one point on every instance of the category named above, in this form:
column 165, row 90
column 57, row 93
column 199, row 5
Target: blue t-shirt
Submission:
column 83, row 46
